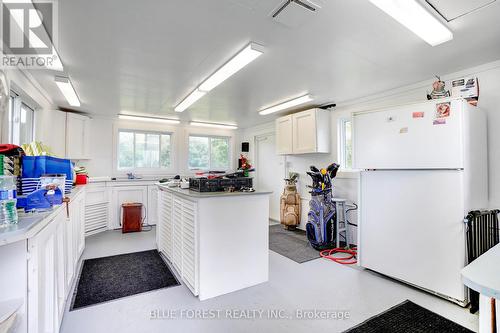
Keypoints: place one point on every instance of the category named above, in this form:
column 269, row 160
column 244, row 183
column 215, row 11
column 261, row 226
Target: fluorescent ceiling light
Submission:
column 188, row 101
column 415, row 17
column 287, row 105
column 67, row 90
column 150, row 119
column 225, row 126
column 251, row 52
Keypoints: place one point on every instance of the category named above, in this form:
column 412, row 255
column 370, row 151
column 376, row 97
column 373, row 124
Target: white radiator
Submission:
column 96, row 218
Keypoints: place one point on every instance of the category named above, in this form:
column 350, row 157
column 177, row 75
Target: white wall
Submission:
column 347, row 183
column 103, row 141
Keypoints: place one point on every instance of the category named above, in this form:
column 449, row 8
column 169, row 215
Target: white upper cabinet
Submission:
column 77, row 136
column 303, row 132
column 284, row 135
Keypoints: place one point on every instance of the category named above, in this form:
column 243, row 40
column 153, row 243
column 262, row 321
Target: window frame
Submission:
column 229, row 151
column 144, row 170
column 342, row 153
column 16, row 104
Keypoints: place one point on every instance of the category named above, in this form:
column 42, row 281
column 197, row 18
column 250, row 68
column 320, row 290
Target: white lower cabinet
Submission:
column 177, row 238
column 104, row 200
column 42, row 280
column 53, row 256
column 152, row 207
column 123, row 194
column 96, row 212
column 164, row 228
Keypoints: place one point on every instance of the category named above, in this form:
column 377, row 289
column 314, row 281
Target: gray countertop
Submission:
column 31, row 223
column 198, row 195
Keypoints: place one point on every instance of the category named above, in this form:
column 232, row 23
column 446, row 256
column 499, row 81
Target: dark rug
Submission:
column 291, row 244
column 109, row 278
column 408, row 317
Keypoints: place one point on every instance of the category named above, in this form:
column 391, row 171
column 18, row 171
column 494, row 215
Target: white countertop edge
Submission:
column 488, row 292
column 207, row 195
column 483, row 274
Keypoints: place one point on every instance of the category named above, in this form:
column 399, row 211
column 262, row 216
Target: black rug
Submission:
column 408, row 317
column 291, row 244
column 109, row 278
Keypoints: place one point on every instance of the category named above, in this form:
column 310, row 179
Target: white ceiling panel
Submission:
column 453, row 9
column 145, row 56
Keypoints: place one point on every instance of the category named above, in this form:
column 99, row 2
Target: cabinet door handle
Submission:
column 66, row 200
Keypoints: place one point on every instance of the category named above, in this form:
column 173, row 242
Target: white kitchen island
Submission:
column 217, row 242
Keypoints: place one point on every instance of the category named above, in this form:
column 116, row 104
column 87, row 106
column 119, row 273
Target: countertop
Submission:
column 123, row 179
column 198, row 195
column 30, row 224
column 483, row 274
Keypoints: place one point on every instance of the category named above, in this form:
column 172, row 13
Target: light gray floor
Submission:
column 317, row 284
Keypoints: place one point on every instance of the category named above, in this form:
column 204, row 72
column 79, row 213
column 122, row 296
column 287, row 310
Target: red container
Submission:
column 132, row 217
column 81, row 179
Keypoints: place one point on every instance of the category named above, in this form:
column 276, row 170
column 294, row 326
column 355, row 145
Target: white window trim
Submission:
column 230, row 150
column 18, row 101
column 144, row 128
column 341, row 144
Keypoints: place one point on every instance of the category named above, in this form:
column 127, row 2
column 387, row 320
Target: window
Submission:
column 208, row 153
column 144, row 150
column 345, row 143
column 21, row 120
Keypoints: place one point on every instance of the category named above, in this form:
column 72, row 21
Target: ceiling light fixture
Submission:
column 248, row 54
column 415, row 17
column 189, row 100
column 150, row 119
column 287, row 105
column 213, row 125
column 67, row 90
column 251, row 52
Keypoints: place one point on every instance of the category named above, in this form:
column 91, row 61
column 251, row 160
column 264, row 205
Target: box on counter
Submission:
column 467, row 87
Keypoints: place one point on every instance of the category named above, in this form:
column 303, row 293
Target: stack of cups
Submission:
column 8, row 201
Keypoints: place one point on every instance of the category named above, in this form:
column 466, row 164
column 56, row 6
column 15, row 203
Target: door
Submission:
column 284, row 135
column 409, row 137
column 270, row 172
column 190, row 245
column 42, row 281
column 164, row 227
column 70, row 247
column 411, row 227
column 152, row 212
column 124, row 194
column 304, row 132
column 75, row 137
column 60, row 265
column 177, row 233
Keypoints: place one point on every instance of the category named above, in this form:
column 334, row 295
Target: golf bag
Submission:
column 320, row 227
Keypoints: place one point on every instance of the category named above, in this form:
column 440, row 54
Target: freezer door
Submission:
column 411, row 227
column 410, row 137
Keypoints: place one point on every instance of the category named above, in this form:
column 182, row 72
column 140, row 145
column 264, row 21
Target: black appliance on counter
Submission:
column 219, row 184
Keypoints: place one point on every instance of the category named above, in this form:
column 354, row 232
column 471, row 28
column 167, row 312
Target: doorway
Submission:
column 270, row 170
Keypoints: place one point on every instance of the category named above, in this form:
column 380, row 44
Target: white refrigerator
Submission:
column 424, row 167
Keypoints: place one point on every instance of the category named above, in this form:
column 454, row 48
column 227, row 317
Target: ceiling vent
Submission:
column 453, row 9
column 294, row 13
